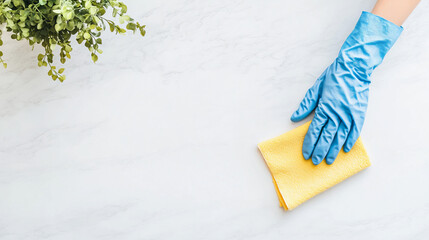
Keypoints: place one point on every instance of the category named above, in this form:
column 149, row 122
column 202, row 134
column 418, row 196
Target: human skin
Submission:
column 340, row 96
column 395, row 11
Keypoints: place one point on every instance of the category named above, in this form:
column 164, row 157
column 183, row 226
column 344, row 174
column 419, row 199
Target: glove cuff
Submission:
column 369, row 42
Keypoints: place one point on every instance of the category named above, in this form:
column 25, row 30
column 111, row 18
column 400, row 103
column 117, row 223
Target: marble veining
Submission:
column 158, row 139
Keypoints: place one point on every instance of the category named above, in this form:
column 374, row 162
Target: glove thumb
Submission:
column 307, row 104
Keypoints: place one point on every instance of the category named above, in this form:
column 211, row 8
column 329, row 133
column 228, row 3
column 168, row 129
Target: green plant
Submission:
column 52, row 23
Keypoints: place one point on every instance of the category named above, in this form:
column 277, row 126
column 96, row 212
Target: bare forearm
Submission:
column 395, row 11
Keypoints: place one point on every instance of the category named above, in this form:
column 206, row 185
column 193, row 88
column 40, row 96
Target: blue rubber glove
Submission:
column 340, row 94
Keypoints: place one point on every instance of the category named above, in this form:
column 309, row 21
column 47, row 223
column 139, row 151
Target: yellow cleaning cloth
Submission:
column 295, row 179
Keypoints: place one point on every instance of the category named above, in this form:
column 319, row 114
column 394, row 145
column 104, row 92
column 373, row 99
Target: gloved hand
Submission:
column 340, row 94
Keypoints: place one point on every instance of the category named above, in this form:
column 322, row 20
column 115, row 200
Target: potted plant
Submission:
column 53, row 23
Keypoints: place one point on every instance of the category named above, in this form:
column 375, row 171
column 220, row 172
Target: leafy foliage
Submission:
column 52, row 23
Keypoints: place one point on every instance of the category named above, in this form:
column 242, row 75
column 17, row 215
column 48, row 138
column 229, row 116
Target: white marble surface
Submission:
column 158, row 139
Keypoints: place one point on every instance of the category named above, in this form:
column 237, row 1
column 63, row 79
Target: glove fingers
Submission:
column 308, row 104
column 337, row 143
column 313, row 133
column 324, row 142
column 351, row 138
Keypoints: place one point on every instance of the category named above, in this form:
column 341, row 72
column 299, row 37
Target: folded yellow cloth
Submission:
column 295, row 179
